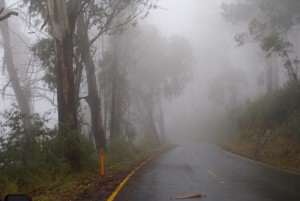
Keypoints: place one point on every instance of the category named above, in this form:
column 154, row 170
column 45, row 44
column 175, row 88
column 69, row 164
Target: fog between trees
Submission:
column 82, row 76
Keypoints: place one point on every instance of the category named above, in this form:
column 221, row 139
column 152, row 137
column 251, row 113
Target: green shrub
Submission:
column 278, row 112
column 121, row 150
column 272, row 109
column 35, row 156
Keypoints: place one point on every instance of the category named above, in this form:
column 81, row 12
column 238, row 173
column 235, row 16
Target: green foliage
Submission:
column 269, row 23
column 76, row 150
column 148, row 143
column 36, row 8
column 30, row 157
column 280, row 14
column 122, row 152
column 279, row 109
column 44, row 50
column 274, row 43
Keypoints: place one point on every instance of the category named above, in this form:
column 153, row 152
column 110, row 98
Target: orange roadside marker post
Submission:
column 102, row 162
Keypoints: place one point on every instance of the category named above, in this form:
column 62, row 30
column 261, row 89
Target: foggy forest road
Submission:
column 207, row 169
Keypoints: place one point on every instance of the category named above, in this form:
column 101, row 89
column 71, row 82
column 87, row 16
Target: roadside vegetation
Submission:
column 267, row 127
column 84, row 85
column 83, row 80
column 35, row 162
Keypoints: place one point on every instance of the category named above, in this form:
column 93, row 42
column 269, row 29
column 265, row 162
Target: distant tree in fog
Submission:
column 14, row 77
column 227, row 89
column 269, row 22
column 157, row 67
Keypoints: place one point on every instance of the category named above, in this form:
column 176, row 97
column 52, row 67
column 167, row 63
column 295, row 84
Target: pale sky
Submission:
column 179, row 16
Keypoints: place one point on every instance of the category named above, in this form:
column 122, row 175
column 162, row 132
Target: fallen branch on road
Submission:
column 190, row 196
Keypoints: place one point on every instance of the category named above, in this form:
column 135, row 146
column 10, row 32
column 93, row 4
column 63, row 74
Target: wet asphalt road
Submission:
column 207, row 169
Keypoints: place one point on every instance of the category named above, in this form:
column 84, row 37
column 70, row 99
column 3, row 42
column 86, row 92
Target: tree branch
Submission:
column 7, row 15
column 4, row 88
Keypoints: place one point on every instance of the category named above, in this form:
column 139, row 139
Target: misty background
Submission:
column 215, row 53
column 218, row 60
column 90, row 86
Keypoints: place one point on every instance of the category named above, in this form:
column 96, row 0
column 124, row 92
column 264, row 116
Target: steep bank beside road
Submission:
column 280, row 152
column 268, row 129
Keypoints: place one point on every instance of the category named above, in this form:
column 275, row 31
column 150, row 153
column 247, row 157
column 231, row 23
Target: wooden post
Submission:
column 102, row 162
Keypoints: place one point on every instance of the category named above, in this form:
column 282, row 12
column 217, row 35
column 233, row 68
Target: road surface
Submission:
column 207, row 169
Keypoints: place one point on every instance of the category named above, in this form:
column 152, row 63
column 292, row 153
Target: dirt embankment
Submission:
column 279, row 151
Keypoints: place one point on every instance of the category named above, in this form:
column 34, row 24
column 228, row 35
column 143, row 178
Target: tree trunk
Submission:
column 152, row 127
column 93, row 98
column 66, row 98
column 62, row 25
column 78, row 75
column 161, row 122
column 149, row 104
column 115, row 117
column 269, row 75
column 115, row 105
column 23, row 100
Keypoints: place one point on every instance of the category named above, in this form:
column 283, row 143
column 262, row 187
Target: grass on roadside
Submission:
column 120, row 158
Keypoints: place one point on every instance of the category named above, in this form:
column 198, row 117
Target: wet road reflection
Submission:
column 207, row 169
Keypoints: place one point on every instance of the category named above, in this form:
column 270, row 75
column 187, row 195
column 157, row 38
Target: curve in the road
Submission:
column 207, row 169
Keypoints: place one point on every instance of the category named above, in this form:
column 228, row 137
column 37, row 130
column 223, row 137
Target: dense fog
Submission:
column 84, row 79
column 218, row 63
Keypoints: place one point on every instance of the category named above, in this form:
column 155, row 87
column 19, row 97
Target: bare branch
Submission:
column 4, row 88
column 7, row 15
column 44, row 96
column 105, row 27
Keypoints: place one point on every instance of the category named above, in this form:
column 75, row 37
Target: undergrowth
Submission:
column 40, row 161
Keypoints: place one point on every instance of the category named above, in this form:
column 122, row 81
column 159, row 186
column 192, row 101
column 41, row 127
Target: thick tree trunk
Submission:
column 23, row 100
column 66, row 94
column 66, row 99
column 93, row 98
column 62, row 25
column 62, row 18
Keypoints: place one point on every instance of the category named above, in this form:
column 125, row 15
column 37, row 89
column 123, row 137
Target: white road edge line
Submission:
column 261, row 163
